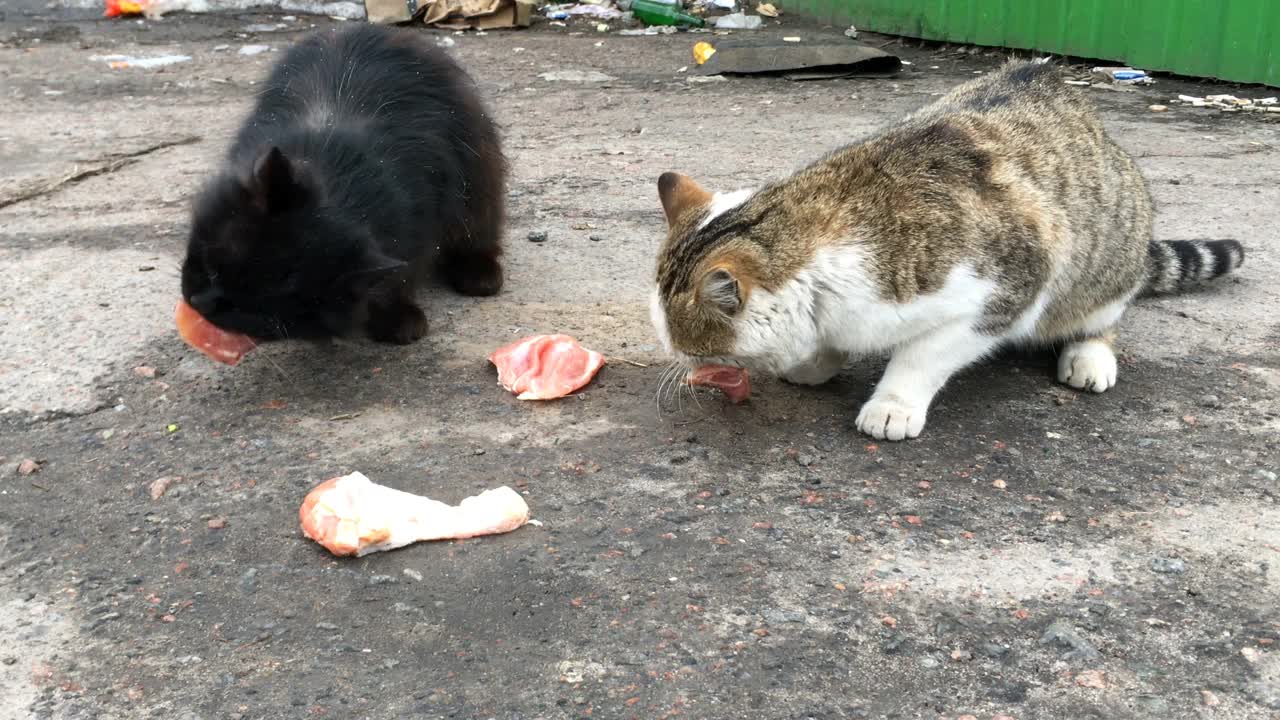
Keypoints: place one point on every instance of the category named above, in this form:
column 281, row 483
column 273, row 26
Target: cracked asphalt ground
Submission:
column 1038, row 553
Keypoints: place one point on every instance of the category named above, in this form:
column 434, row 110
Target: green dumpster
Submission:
column 1235, row 40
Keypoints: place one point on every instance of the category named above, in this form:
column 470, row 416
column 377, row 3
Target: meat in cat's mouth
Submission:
column 220, row 345
column 728, row 379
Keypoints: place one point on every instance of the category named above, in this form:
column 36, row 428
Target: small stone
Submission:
column 145, row 371
column 28, row 467
column 1158, row 108
column 993, row 650
column 596, row 238
column 249, row 581
column 326, row 626
column 1091, row 679
column 382, row 580
column 1267, row 475
column 217, row 523
column 1168, row 565
column 999, row 484
column 1211, row 401
column 538, row 236
column 9, row 660
column 159, row 486
column 412, row 574
column 776, row 616
column 1063, row 635
column 929, row 661
column 804, row 460
column 1209, row 699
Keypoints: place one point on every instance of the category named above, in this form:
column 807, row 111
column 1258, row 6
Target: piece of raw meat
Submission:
column 732, row 381
column 352, row 515
column 220, row 345
column 545, row 367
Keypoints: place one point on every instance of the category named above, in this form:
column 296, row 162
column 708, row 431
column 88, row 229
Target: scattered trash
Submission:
column 1078, row 83
column 1158, row 108
column 581, row 76
column 702, row 51
column 725, row 4
column 28, row 467
column 545, row 367
column 732, row 381
column 739, row 21
column 794, row 38
column 652, row 30
column 388, row 12
column 120, row 62
column 767, row 10
column 251, row 50
column 478, row 14
column 652, row 12
column 1231, row 103
column 151, row 9
column 265, row 27
column 799, row 61
column 562, row 12
column 851, row 32
column 218, row 344
column 1124, row 75
column 351, row 515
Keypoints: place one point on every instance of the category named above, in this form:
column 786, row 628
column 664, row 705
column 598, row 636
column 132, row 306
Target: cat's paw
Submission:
column 400, row 324
column 475, row 275
column 1088, row 365
column 891, row 418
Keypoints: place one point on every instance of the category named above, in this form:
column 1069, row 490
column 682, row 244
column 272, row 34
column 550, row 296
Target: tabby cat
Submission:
column 1001, row 214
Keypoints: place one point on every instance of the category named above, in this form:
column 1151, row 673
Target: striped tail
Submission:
column 1174, row 266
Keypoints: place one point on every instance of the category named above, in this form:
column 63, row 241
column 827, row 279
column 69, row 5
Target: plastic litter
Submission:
column 739, row 21
column 250, row 50
column 702, row 51
column 565, row 11
column 1124, row 75
column 767, row 10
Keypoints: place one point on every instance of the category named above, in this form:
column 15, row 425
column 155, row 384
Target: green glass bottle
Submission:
column 651, row 12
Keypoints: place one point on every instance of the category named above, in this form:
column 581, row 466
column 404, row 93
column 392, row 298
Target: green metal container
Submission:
column 1236, row 40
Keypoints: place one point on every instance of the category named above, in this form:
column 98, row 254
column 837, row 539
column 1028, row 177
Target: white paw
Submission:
column 891, row 418
column 1088, row 365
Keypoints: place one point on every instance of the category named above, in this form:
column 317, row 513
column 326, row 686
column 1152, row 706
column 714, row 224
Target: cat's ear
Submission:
column 373, row 267
column 721, row 288
column 274, row 184
column 679, row 193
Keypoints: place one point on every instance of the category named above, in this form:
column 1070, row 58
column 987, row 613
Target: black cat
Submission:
column 368, row 161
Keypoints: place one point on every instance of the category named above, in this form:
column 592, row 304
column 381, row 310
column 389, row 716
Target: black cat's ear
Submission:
column 372, row 269
column 274, row 185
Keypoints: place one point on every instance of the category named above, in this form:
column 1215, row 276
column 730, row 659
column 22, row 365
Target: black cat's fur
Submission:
column 368, row 161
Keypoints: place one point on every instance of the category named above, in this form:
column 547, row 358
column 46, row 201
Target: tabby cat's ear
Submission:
column 679, row 194
column 721, row 288
column 274, row 186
